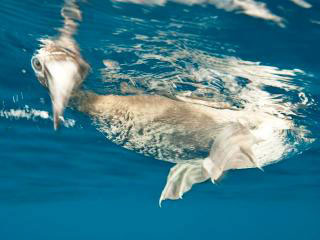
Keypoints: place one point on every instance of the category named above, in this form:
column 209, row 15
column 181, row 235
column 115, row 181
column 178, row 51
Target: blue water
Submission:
column 76, row 184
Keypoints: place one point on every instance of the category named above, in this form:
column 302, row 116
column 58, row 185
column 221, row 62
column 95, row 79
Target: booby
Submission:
column 202, row 141
column 178, row 131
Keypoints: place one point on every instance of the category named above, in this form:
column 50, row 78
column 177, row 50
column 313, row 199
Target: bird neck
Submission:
column 83, row 100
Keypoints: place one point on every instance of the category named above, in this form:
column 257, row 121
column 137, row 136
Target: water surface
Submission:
column 76, row 184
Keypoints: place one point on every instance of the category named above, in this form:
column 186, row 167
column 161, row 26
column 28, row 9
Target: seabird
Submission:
column 202, row 141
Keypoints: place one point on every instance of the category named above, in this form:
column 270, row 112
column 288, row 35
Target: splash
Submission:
column 33, row 115
column 230, row 79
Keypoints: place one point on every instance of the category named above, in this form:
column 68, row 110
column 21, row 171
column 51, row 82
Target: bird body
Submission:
column 153, row 125
column 202, row 141
column 167, row 129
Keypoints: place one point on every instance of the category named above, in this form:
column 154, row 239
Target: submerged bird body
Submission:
column 203, row 141
column 168, row 129
column 153, row 125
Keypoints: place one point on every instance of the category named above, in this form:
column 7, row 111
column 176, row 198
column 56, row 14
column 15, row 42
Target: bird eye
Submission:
column 36, row 64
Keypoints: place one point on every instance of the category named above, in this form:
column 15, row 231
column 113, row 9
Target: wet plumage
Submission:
column 203, row 141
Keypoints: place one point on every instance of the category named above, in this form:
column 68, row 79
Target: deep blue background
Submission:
column 75, row 184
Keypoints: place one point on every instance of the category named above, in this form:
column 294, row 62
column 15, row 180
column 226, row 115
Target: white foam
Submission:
column 32, row 114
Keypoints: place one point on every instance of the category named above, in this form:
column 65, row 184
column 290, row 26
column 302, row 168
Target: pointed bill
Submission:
column 63, row 79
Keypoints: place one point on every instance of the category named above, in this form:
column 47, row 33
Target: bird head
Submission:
column 61, row 71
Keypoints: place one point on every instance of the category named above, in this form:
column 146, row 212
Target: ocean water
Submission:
column 75, row 183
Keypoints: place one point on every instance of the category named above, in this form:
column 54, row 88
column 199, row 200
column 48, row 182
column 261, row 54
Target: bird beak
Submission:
column 58, row 105
column 62, row 77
